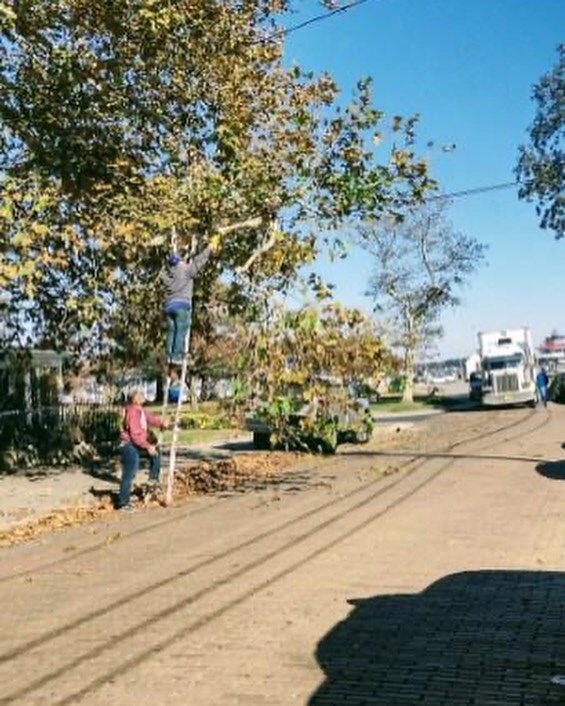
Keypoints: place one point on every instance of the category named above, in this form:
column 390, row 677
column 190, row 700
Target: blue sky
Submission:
column 467, row 66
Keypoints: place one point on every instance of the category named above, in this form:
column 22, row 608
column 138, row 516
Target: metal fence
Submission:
column 60, row 428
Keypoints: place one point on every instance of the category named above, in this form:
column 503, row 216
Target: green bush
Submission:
column 397, row 385
column 202, row 421
column 57, row 435
column 300, row 433
column 557, row 389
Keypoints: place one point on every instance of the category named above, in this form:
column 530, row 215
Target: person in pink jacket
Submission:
column 135, row 443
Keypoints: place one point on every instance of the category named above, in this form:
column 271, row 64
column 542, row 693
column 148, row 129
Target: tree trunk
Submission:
column 160, row 391
column 194, row 392
column 408, row 372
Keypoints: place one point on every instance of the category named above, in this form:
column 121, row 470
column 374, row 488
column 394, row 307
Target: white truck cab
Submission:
column 508, row 367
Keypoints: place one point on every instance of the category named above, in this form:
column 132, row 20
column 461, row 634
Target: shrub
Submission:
column 290, row 431
column 57, row 435
column 201, row 420
column 557, row 389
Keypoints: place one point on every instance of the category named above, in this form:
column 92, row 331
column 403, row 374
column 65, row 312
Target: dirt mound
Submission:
column 201, row 478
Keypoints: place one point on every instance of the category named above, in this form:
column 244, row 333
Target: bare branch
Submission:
column 265, row 247
column 249, row 223
column 424, row 251
column 257, row 254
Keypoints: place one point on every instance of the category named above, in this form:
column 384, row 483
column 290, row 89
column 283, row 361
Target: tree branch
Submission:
column 257, row 254
column 424, row 252
column 249, row 223
column 255, row 222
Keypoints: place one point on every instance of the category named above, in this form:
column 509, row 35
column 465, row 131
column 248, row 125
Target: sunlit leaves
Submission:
column 541, row 169
column 124, row 122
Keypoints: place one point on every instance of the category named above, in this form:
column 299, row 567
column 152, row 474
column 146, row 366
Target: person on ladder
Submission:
column 178, row 280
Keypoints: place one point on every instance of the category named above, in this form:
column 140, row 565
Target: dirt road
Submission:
column 439, row 583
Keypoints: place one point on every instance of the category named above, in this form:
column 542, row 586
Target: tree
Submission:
column 540, row 168
column 312, row 347
column 420, row 262
column 123, row 121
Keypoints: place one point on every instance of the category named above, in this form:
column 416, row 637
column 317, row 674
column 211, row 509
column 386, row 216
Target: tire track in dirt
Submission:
column 37, row 684
column 327, row 463
column 210, row 617
column 419, row 459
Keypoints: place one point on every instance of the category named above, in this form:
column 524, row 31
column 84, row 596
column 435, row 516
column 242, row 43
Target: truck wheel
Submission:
column 533, row 404
column 262, row 440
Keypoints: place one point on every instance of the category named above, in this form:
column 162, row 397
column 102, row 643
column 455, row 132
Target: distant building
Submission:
column 551, row 353
column 30, row 379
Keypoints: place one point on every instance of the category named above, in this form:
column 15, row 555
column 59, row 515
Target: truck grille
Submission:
column 507, row 383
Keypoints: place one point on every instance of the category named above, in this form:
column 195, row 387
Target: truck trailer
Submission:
column 508, row 367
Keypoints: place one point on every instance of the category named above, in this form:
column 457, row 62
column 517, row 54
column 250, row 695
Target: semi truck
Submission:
column 508, row 367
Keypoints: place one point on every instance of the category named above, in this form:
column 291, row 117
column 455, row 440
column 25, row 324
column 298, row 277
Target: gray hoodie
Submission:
column 179, row 281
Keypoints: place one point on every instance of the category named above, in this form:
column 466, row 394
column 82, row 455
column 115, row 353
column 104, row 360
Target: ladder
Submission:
column 176, row 422
column 253, row 222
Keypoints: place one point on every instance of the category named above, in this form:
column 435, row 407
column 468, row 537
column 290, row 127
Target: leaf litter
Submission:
column 207, row 477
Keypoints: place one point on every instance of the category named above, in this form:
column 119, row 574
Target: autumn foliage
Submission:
column 122, row 122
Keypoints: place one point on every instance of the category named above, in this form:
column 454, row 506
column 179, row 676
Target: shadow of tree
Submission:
column 555, row 470
column 488, row 638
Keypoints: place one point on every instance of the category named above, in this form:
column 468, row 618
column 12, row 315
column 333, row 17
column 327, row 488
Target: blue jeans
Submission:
column 130, row 465
column 542, row 394
column 177, row 327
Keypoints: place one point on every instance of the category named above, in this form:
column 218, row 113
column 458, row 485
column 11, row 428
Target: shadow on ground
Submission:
column 488, row 638
column 109, row 472
column 555, row 470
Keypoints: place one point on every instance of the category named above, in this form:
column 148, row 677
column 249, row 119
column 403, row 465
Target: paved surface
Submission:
column 442, row 583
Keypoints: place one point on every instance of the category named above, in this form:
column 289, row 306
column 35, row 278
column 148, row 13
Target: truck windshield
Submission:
column 512, row 361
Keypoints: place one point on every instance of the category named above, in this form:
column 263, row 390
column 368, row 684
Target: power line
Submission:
column 476, row 190
column 344, row 8
column 313, row 20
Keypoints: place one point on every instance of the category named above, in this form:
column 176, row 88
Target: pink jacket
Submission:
column 135, row 423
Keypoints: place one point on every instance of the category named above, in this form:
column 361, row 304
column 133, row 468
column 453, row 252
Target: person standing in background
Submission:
column 542, row 384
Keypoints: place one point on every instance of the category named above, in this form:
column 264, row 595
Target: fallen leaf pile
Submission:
column 202, row 478
column 234, row 473
column 55, row 520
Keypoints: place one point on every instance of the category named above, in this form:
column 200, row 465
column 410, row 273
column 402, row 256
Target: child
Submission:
column 134, row 442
